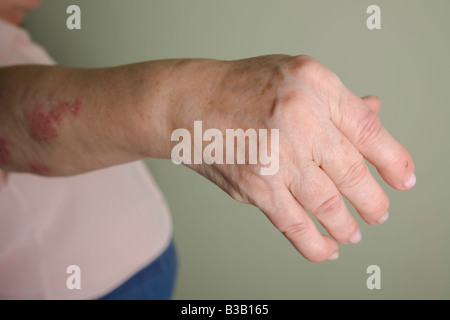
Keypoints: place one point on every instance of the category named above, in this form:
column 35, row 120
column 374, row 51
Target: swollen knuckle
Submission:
column 305, row 66
column 315, row 73
column 295, row 230
column 354, row 174
column 370, row 129
column 378, row 208
column 329, row 206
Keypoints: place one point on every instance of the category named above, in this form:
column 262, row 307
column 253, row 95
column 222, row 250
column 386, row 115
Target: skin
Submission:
column 58, row 121
column 14, row 11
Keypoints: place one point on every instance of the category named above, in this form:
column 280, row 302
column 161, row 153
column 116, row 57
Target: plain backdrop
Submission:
column 229, row 250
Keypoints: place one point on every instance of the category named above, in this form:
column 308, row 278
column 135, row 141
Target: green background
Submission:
column 229, row 250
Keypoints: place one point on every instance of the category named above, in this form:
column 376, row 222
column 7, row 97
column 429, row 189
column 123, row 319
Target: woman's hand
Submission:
column 325, row 133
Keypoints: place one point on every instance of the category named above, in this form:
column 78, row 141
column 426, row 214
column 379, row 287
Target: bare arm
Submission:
column 61, row 121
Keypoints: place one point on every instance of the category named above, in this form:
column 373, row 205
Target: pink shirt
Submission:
column 109, row 222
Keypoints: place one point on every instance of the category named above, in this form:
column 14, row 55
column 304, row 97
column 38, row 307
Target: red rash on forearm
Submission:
column 45, row 118
column 61, row 121
column 39, row 168
column 5, row 153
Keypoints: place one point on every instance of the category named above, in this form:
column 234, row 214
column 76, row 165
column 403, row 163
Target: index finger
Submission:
column 364, row 129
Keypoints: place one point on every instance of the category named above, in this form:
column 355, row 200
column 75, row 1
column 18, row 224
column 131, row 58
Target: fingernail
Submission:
column 410, row 181
column 383, row 218
column 334, row 256
column 356, row 237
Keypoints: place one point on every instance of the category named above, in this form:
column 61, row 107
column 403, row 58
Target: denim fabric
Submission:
column 156, row 281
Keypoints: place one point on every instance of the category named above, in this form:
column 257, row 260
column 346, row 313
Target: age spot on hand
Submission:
column 45, row 118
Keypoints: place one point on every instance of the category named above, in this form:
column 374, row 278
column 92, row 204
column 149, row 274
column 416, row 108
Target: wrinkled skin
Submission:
column 325, row 131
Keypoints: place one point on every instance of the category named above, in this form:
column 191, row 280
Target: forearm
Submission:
column 62, row 121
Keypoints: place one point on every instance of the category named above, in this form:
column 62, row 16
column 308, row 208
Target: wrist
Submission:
column 176, row 93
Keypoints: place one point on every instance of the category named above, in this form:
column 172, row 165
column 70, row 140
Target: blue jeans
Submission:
column 156, row 281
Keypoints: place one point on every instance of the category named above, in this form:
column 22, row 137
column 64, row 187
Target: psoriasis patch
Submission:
column 45, row 118
column 5, row 152
column 39, row 168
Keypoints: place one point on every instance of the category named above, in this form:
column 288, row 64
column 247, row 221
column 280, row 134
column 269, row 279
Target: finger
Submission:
column 363, row 128
column 373, row 103
column 348, row 170
column 319, row 195
column 288, row 216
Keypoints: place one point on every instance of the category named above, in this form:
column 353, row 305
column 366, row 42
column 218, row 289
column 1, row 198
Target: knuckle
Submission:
column 329, row 206
column 378, row 209
column 305, row 67
column 354, row 174
column 313, row 71
column 370, row 129
column 295, row 230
